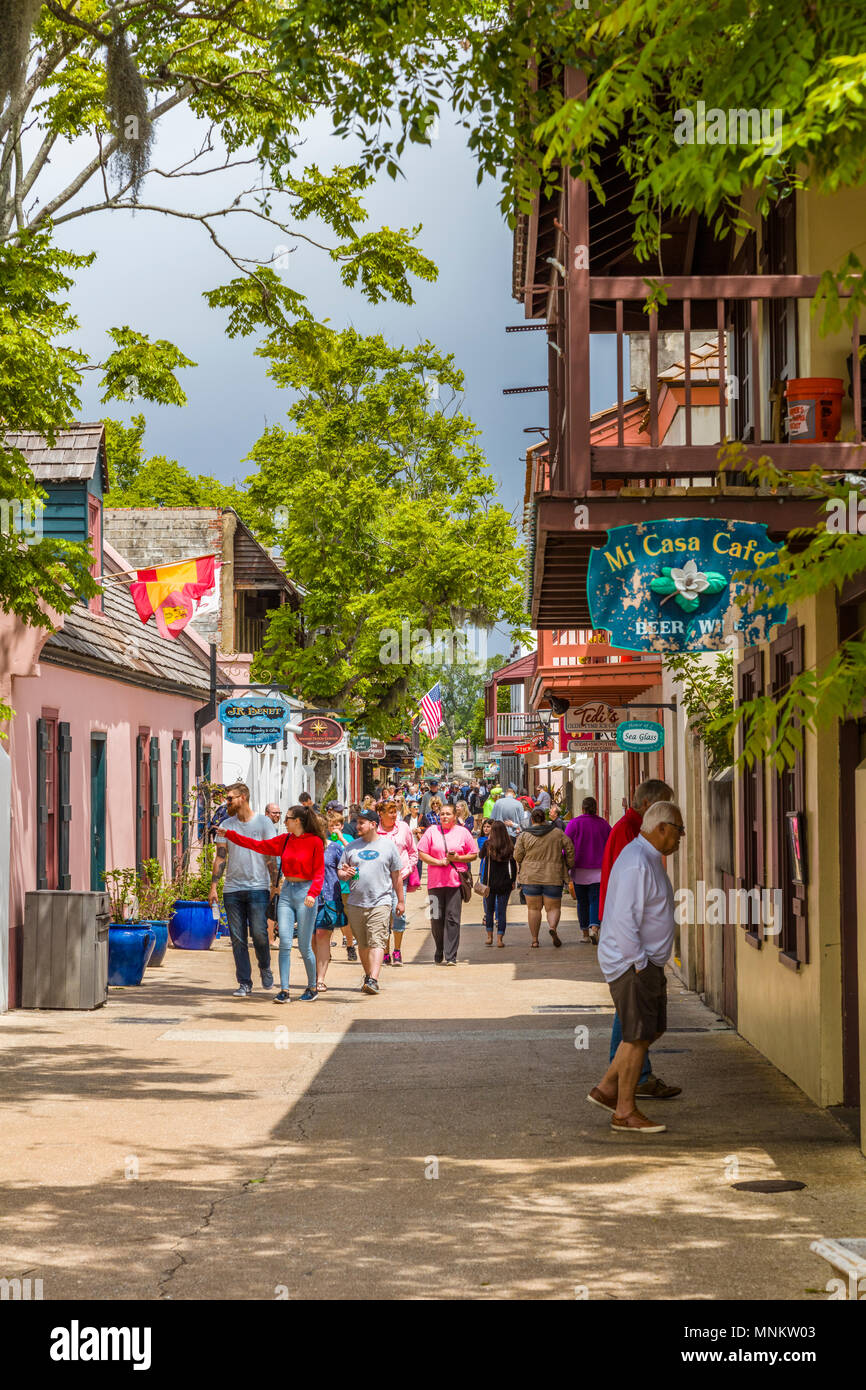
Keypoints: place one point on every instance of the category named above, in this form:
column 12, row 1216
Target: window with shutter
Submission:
column 142, row 800
column 750, row 685
column 174, row 856
column 46, row 802
column 184, row 796
column 64, row 746
column 154, row 799
column 788, row 794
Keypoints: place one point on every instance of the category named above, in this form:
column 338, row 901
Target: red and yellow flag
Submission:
column 170, row 592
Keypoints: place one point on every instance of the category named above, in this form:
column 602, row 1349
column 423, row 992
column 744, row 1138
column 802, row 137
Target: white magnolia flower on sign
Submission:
column 686, row 585
column 689, row 579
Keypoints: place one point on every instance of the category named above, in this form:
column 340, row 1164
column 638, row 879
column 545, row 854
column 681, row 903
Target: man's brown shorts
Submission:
column 641, row 1001
column 370, row 925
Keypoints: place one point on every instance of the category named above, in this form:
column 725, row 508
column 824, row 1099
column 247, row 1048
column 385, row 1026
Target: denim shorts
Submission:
column 537, row 890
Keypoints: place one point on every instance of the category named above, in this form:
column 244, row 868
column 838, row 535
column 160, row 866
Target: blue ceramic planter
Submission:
column 160, row 930
column 192, row 926
column 129, row 950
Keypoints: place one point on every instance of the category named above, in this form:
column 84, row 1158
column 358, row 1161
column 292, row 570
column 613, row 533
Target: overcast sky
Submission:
column 150, row 273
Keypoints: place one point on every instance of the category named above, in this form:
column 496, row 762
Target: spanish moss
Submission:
column 126, row 101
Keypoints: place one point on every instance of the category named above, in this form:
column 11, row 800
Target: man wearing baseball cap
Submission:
column 371, row 864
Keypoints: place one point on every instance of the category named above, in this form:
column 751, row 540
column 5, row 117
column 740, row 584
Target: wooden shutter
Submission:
column 43, row 753
column 154, row 798
column 750, row 825
column 174, row 853
column 789, row 794
column 184, row 796
column 64, row 745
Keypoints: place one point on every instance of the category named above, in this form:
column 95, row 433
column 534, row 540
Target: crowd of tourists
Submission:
column 351, row 870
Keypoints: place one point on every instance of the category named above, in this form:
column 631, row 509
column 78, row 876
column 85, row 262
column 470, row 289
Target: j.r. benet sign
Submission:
column 669, row 585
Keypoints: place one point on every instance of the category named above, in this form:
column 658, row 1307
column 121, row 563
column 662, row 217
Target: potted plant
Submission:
column 155, row 901
column 193, row 923
column 130, row 941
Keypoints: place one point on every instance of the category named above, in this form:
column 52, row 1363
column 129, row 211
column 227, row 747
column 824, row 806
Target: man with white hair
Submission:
column 624, row 831
column 636, row 943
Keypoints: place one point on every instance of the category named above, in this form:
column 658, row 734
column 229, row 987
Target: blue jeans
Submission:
column 496, row 903
column 616, row 1039
column 291, row 912
column 248, row 908
column 587, row 904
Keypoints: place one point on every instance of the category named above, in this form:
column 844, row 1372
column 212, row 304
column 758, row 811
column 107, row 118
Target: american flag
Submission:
column 431, row 711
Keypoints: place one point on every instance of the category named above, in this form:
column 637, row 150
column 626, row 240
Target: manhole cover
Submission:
column 769, row 1185
column 159, row 1022
column 572, row 1008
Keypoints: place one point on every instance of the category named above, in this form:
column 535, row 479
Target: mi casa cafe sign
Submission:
column 669, row 586
column 593, row 718
column 254, row 722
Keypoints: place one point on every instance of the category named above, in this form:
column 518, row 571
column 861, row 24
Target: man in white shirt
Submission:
column 509, row 810
column 636, row 942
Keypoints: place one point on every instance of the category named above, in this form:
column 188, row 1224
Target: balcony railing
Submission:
column 510, row 728
column 561, row 648
column 744, row 315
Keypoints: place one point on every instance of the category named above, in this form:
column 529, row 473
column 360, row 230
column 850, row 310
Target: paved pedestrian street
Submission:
column 431, row 1142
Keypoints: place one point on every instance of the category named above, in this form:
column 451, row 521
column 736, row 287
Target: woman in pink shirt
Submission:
column 396, row 829
column 444, row 847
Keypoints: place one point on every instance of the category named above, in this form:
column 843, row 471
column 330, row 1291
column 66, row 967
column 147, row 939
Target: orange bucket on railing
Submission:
column 814, row 409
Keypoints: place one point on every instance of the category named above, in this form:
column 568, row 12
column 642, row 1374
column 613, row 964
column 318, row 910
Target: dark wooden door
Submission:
column 97, row 812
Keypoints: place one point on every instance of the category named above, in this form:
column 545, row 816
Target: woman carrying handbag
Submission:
column 448, row 849
column 497, row 878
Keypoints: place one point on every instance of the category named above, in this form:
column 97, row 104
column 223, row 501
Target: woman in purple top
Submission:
column 588, row 833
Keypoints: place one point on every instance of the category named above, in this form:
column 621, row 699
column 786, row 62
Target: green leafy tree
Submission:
column 102, row 78
column 136, row 481
column 39, row 381
column 644, row 60
column 708, row 698
column 383, row 507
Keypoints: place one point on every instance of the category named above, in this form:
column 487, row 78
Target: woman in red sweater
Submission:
column 302, row 857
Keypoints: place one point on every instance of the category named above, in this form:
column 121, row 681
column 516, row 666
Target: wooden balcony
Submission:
column 508, row 729
column 741, row 313
column 573, row 666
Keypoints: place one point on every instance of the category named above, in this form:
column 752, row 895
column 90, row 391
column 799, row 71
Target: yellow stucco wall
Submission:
column 795, row 1017
column 828, row 227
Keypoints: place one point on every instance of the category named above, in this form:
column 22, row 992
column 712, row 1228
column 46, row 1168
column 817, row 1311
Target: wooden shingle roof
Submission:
column 75, row 454
column 117, row 644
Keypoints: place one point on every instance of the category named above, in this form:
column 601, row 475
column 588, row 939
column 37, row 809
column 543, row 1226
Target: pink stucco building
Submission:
column 100, row 757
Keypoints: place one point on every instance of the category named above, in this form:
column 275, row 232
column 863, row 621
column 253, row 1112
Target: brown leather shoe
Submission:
column 555, row 936
column 636, row 1123
column 598, row 1098
column 655, row 1089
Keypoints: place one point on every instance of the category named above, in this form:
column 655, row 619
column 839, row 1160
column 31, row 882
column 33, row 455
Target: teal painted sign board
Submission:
column 640, row 735
column 253, row 722
column 668, row 586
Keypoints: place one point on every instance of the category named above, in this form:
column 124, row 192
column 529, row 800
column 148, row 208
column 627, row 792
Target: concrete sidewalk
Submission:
column 431, row 1142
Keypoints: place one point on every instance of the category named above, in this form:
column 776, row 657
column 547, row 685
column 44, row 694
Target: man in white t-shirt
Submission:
column 637, row 938
column 249, row 878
